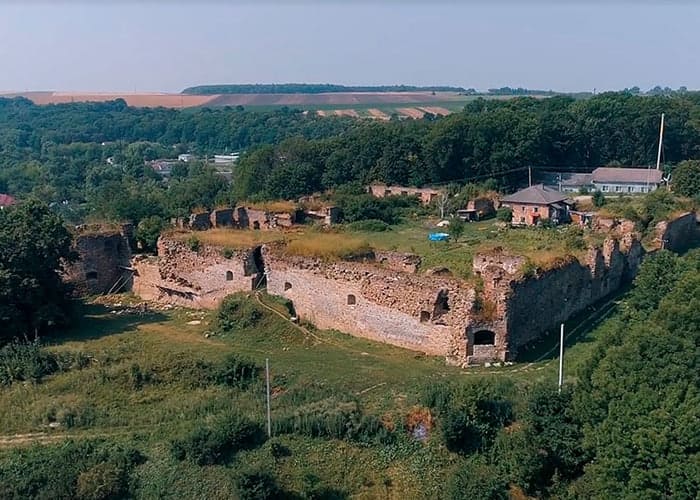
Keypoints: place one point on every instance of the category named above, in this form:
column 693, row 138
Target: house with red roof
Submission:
column 6, row 200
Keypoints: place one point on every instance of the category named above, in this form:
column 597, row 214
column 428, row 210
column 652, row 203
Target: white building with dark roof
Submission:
column 626, row 180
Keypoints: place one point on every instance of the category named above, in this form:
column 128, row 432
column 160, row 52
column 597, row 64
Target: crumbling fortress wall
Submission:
column 679, row 233
column 371, row 300
column 104, row 258
column 199, row 277
column 383, row 297
column 529, row 305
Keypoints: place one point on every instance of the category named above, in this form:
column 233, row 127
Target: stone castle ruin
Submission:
column 104, row 259
column 384, row 296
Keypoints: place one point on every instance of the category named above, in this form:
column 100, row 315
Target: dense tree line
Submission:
column 310, row 88
column 60, row 152
column 489, row 139
column 625, row 429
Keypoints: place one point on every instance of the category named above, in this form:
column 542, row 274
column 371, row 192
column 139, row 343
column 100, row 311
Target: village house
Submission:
column 538, row 203
column 6, row 200
column 426, row 195
column 626, row 180
column 618, row 180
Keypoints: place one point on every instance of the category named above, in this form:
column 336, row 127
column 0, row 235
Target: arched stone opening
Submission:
column 229, row 276
column 352, row 300
column 484, row 337
column 442, row 305
column 424, row 316
column 256, row 225
column 287, row 285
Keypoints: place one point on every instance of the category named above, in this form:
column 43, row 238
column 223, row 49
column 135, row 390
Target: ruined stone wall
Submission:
column 678, row 234
column 423, row 313
column 102, row 257
column 199, row 279
column 532, row 305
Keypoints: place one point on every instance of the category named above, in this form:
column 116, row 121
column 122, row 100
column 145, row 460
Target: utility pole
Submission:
column 661, row 141
column 267, row 379
column 561, row 357
column 529, row 176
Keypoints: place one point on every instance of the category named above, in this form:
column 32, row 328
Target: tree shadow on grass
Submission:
column 94, row 321
column 547, row 346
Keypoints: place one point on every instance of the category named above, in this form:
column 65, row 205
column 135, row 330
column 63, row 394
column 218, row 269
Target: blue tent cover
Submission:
column 438, row 236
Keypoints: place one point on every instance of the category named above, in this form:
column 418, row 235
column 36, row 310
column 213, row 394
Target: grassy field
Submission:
column 142, row 387
column 542, row 245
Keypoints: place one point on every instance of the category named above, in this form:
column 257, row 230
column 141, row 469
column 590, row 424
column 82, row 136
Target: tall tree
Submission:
column 34, row 244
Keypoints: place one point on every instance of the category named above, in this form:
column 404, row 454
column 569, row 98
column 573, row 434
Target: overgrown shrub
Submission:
column 193, row 243
column 371, row 225
column 573, row 238
column 504, row 214
column 476, row 479
column 25, row 361
column 89, row 469
column 470, row 415
column 235, row 371
column 214, row 444
column 237, row 313
column 257, row 485
column 227, row 253
column 598, row 199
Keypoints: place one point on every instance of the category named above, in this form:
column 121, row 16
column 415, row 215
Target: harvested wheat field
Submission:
column 137, row 100
column 436, row 110
column 378, row 114
column 346, row 112
column 411, row 112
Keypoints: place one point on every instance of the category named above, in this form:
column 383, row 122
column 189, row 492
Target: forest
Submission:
column 59, row 152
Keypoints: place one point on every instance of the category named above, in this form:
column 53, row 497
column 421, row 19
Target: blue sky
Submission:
column 166, row 46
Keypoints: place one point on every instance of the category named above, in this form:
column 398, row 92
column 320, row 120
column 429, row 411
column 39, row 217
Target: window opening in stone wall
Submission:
column 484, row 337
column 287, row 285
column 229, row 276
column 256, row 225
column 424, row 316
column 91, row 275
column 441, row 304
column 351, row 300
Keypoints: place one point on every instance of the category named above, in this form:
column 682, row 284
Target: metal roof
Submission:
column 537, row 194
column 627, row 175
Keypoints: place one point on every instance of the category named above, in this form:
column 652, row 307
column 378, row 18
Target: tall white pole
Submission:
column 661, row 141
column 267, row 379
column 561, row 357
column 529, row 176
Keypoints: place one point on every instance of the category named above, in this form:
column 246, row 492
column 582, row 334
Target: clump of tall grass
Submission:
column 231, row 239
column 333, row 419
column 330, row 246
column 26, row 362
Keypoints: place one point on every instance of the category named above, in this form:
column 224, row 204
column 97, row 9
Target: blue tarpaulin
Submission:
column 438, row 236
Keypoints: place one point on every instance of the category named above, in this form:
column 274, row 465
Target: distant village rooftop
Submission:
column 6, row 200
column 538, row 194
column 627, row 175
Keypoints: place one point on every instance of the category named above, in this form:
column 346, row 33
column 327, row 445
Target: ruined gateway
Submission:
column 384, row 298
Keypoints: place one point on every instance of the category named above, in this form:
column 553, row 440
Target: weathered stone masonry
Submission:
column 422, row 313
column 195, row 278
column 384, row 299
